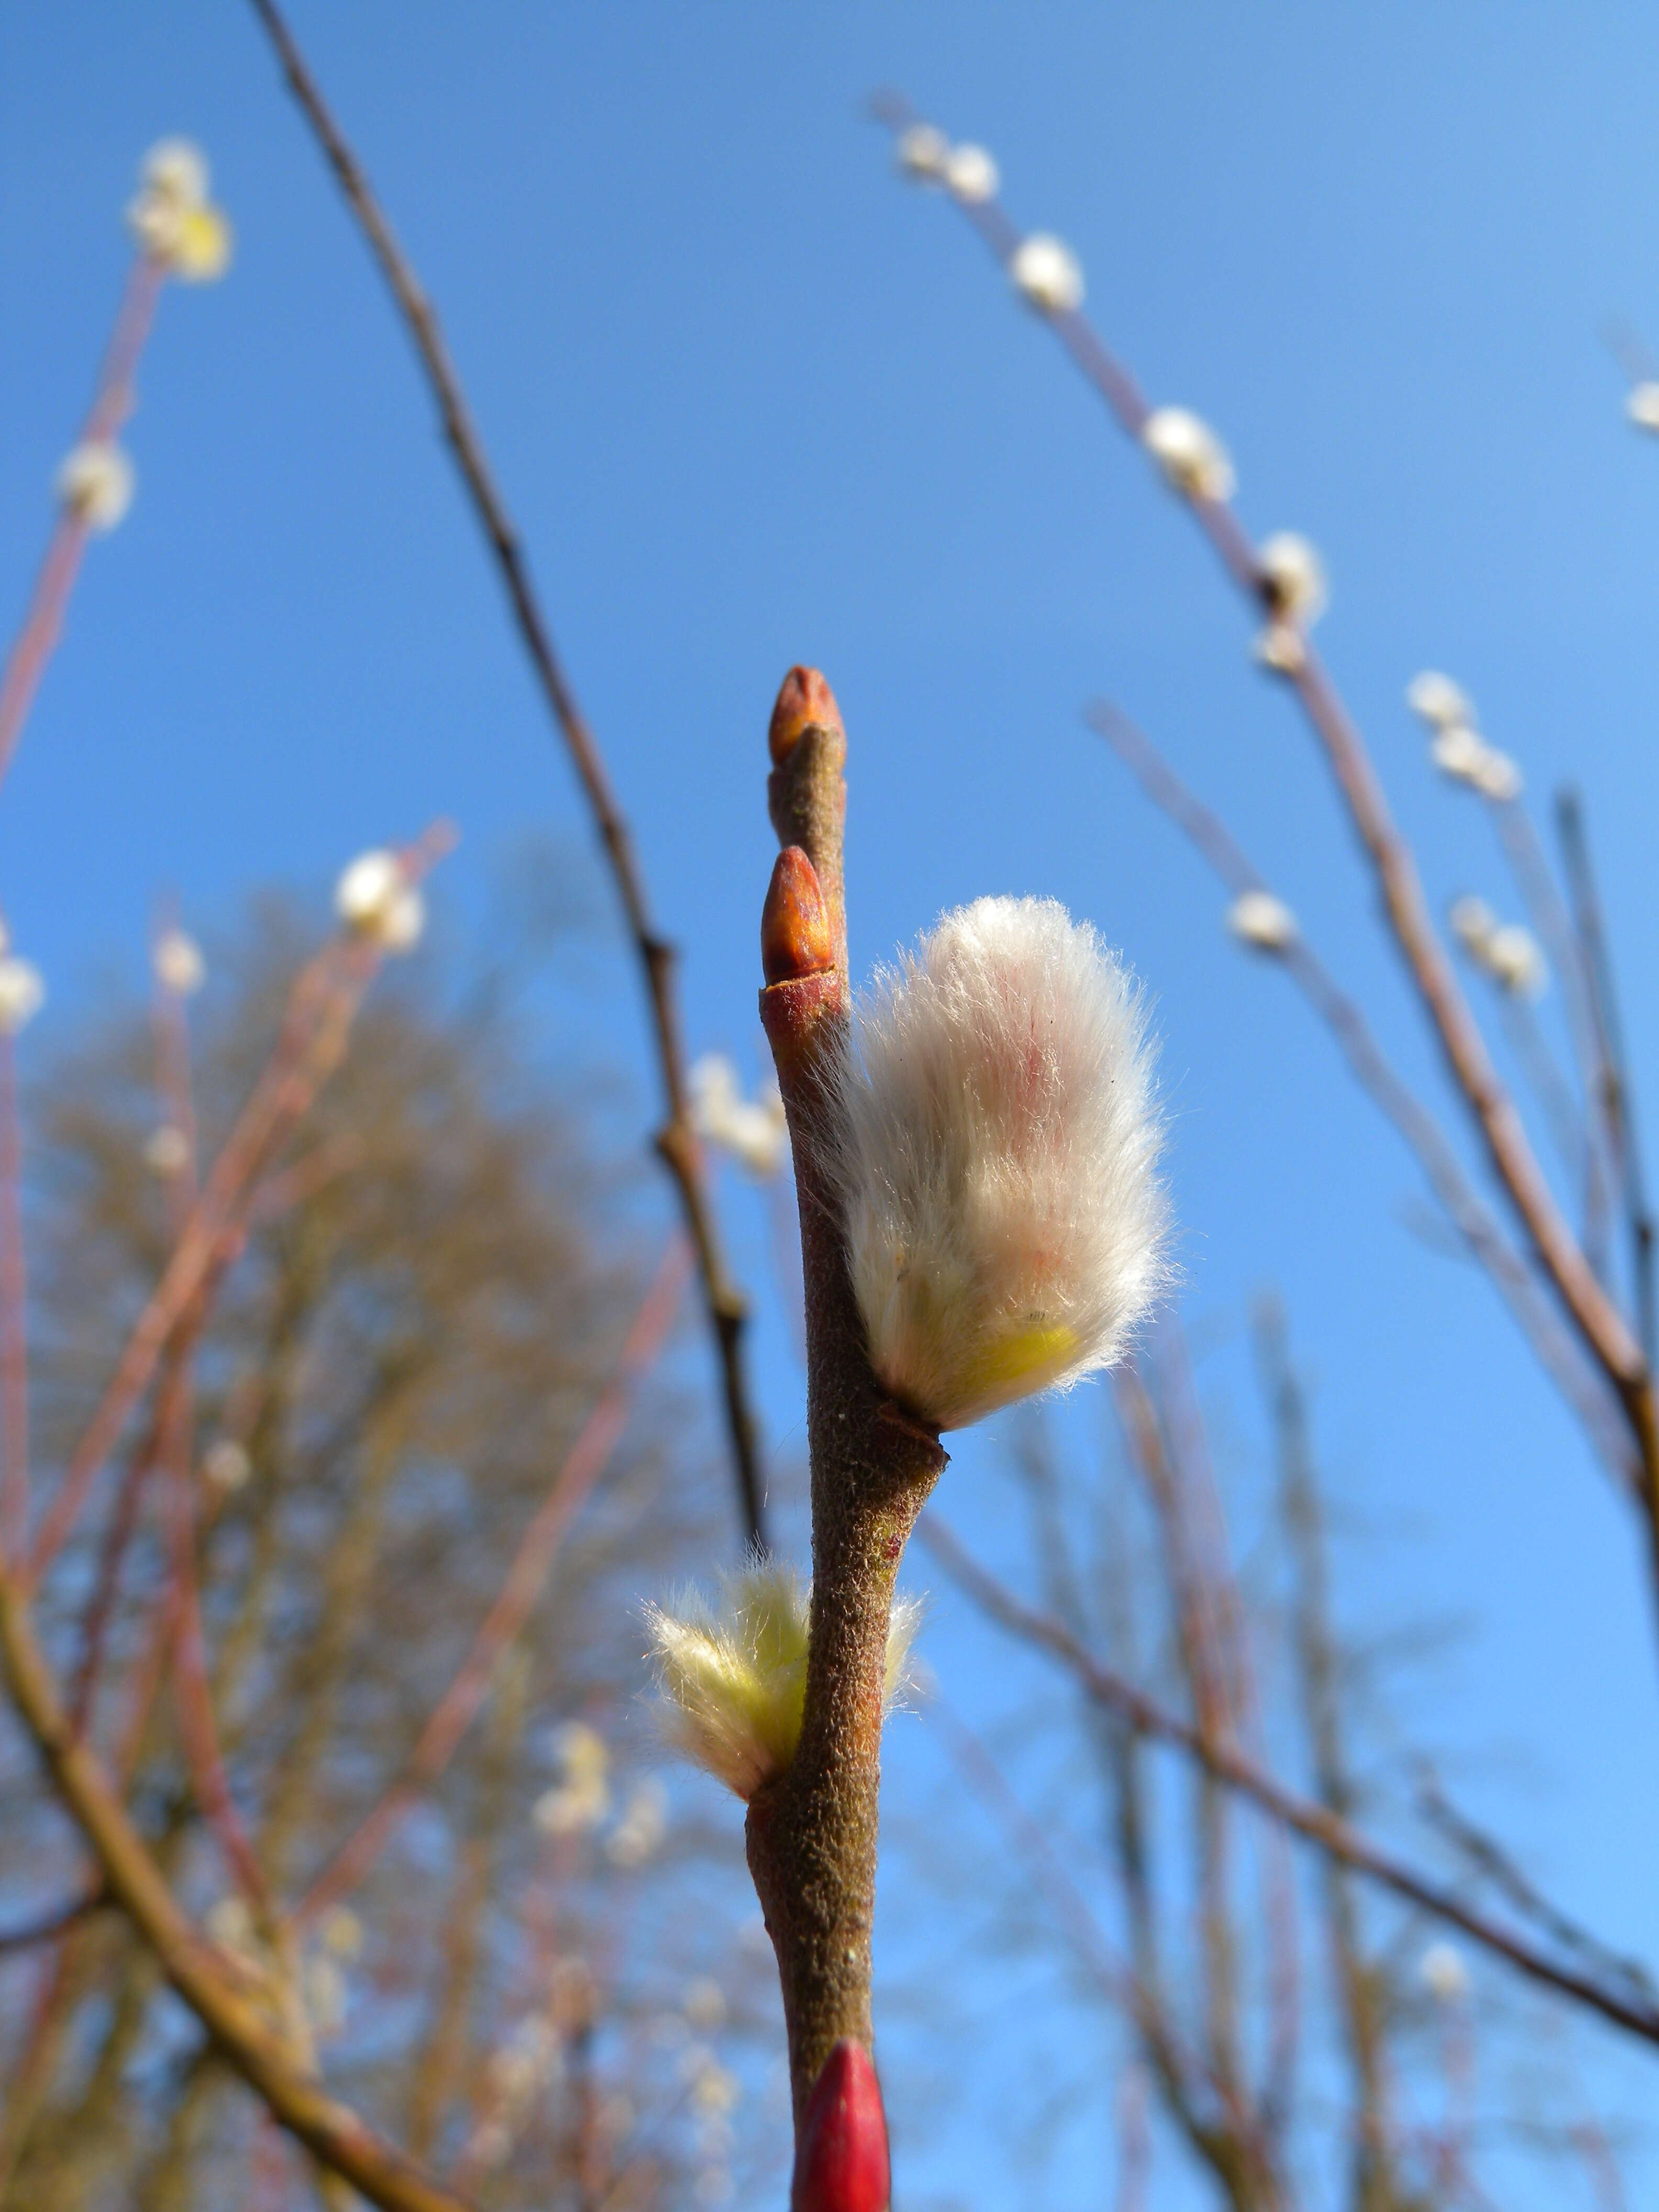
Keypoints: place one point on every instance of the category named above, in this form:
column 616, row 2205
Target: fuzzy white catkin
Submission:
column 1003, row 1216
column 1193, row 458
column 1282, row 647
column 1495, row 775
column 1443, row 1973
column 94, row 483
column 374, row 898
column 23, row 993
column 754, row 1132
column 923, row 152
column 1457, row 751
column 1441, row 703
column 177, row 168
column 167, row 1150
column 178, row 962
column 1473, row 923
column 970, row 174
column 1512, row 959
column 1258, row 918
column 1047, row 274
column 1293, row 577
column 172, row 218
column 732, row 1669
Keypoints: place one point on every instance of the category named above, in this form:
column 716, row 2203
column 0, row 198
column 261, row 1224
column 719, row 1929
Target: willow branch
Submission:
column 1196, row 1500
column 1184, row 2089
column 1210, row 1686
column 1558, row 1355
column 1243, row 2150
column 112, row 404
column 317, row 1023
column 1571, row 1133
column 1330, row 1833
column 197, row 1727
column 1593, row 1314
column 676, row 1142
column 1486, row 1857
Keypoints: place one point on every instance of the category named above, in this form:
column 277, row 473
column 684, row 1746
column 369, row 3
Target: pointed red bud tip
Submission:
column 805, row 700
column 841, row 2157
column 795, row 938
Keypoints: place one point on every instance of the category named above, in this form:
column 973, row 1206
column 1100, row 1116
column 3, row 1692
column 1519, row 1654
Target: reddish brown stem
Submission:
column 727, row 1309
column 173, row 1091
column 320, row 1010
column 1562, row 1358
column 1593, row 1314
column 43, row 622
column 197, row 1725
column 811, row 1832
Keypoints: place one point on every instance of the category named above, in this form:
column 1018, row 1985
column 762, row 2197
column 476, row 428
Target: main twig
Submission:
column 727, row 1309
column 812, row 1830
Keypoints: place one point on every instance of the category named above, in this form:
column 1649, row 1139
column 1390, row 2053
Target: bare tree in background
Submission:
column 412, row 1341
column 330, row 1485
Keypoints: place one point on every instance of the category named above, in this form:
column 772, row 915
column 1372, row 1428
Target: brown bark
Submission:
column 812, row 1833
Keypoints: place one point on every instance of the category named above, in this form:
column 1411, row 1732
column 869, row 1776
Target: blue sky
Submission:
column 752, row 401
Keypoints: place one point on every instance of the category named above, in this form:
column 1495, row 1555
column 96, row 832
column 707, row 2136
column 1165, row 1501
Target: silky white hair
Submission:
column 997, row 1161
column 732, row 1669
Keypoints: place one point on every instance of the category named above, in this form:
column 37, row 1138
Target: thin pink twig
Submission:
column 99, row 1608
column 1594, row 1315
column 112, row 404
column 453, row 1714
column 173, row 1094
column 262, row 1120
column 320, row 1010
column 190, row 1676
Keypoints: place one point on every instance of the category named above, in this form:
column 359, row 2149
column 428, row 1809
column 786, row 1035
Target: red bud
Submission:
column 840, row 2153
column 805, row 699
column 795, row 938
